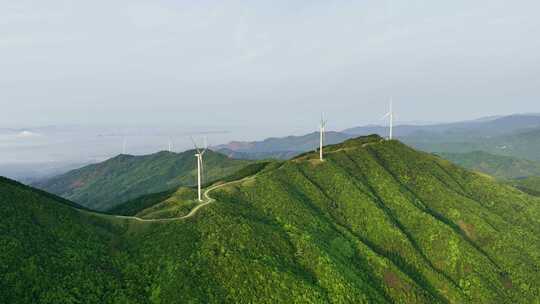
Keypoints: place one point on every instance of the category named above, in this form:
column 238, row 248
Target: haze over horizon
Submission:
column 247, row 65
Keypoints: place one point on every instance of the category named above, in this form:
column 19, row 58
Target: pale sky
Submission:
column 266, row 67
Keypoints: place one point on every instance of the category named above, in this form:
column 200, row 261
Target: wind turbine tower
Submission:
column 322, row 129
column 199, row 156
column 170, row 146
column 390, row 115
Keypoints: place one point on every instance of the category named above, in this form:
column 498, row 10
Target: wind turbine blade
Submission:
column 205, row 145
column 386, row 115
column 195, row 144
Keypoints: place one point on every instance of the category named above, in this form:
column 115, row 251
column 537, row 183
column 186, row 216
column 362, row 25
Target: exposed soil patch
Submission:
column 77, row 184
column 392, row 280
column 506, row 281
column 467, row 268
column 468, row 229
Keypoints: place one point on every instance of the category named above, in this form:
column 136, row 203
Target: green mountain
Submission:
column 125, row 177
column 376, row 222
column 524, row 144
column 503, row 167
column 177, row 202
column 530, row 185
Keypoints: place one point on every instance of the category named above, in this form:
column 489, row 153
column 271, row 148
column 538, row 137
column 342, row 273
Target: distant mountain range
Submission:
column 281, row 148
column 502, row 167
column 513, row 135
column 483, row 127
column 523, row 144
column 505, row 147
column 376, row 222
column 34, row 172
column 107, row 184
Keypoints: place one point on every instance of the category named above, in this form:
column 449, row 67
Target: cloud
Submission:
column 26, row 134
column 17, row 135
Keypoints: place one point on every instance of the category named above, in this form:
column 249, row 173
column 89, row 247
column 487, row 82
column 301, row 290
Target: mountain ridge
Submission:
column 488, row 134
column 121, row 178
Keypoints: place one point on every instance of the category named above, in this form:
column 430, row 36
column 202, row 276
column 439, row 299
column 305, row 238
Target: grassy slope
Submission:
column 503, row 167
column 377, row 222
column 160, row 205
column 108, row 184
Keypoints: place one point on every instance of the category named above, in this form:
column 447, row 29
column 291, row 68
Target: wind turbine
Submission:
column 390, row 115
column 170, row 145
column 199, row 156
column 322, row 128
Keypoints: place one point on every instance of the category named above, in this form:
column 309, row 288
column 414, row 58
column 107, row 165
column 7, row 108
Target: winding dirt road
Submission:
column 207, row 198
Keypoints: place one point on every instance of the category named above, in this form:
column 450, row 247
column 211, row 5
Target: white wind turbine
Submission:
column 199, row 156
column 322, row 129
column 170, row 145
column 390, row 115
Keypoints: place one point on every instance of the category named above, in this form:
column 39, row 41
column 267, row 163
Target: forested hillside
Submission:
column 105, row 185
column 376, row 222
column 51, row 252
